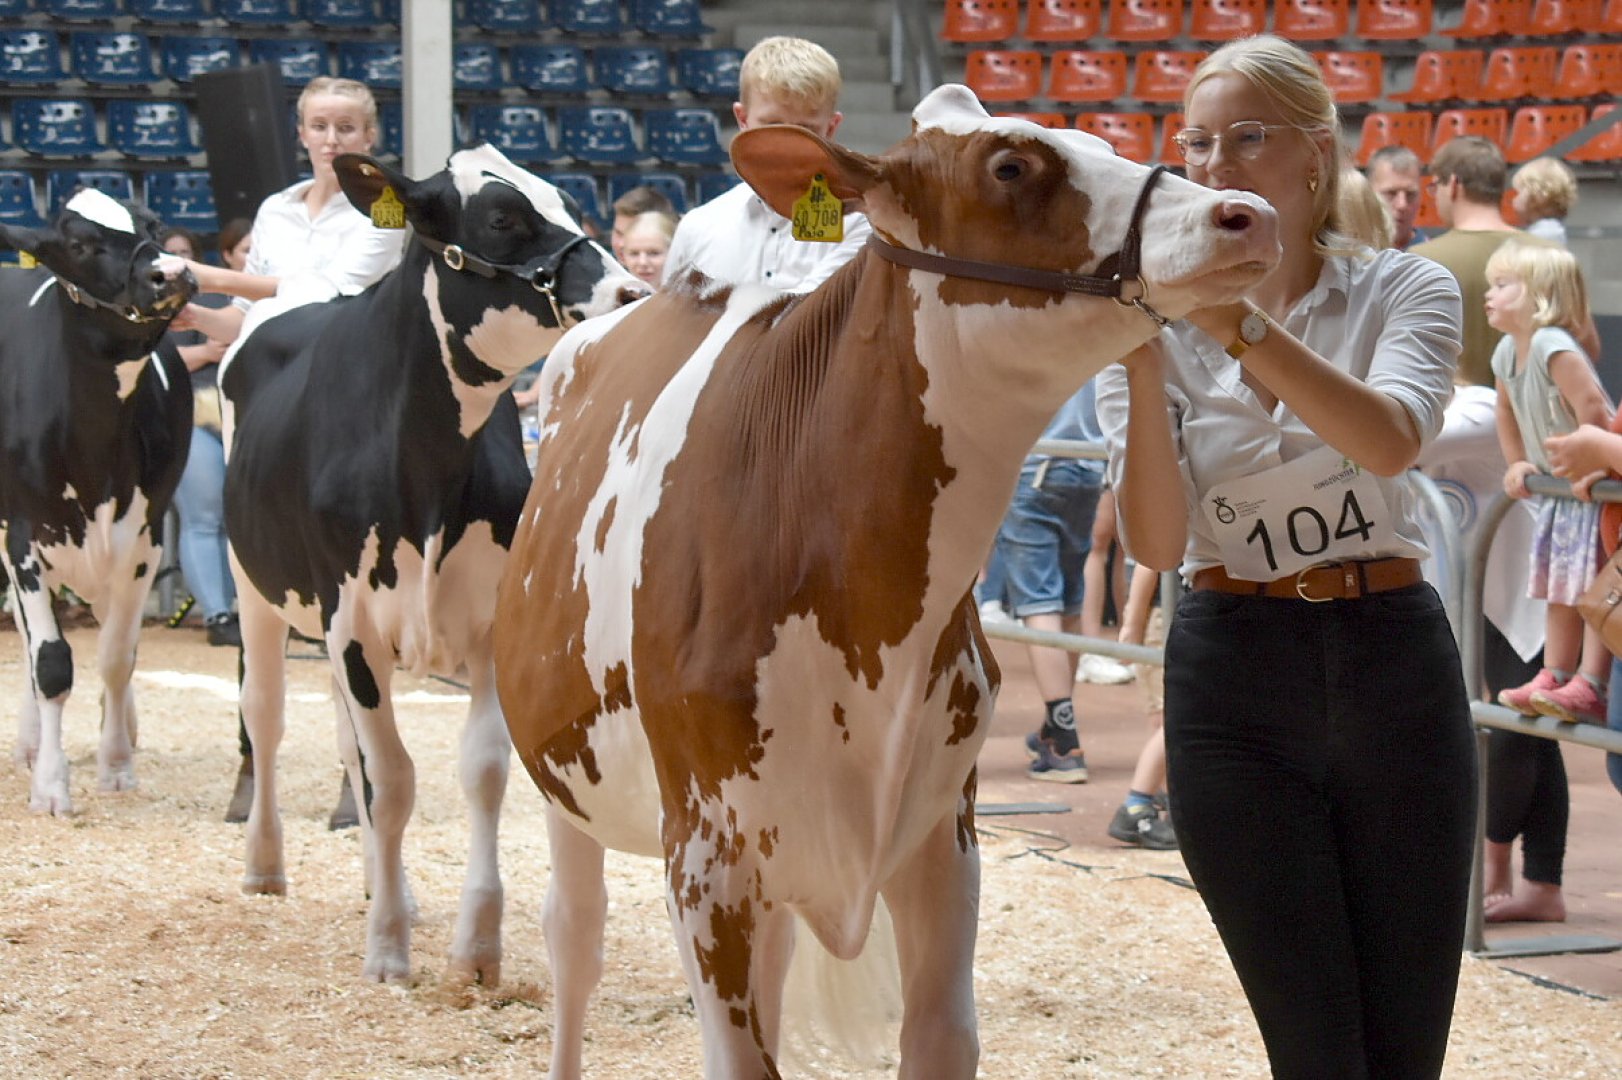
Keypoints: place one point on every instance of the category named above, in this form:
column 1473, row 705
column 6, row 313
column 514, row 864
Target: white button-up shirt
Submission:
column 736, row 238
column 336, row 253
column 1392, row 321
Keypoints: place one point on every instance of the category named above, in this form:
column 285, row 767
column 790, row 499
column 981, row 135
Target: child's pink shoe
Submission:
column 1577, row 702
column 1520, row 698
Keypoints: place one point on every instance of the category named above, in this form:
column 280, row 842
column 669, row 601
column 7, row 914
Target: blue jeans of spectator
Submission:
column 1613, row 720
column 1322, row 770
column 1046, row 535
column 200, row 501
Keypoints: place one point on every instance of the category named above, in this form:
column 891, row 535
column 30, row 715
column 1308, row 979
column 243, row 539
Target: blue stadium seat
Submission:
column 583, row 188
column 150, row 129
column 169, row 11
column 184, row 58
column 30, row 56
column 600, row 134
column 61, row 183
column 80, row 10
column 715, row 183
column 597, row 17
column 668, row 18
column 18, row 206
column 55, row 127
column 669, row 185
column 519, row 131
column 112, row 59
column 378, row 64
column 343, row 14
column 256, row 12
column 685, row 136
column 632, row 69
column 476, row 66
column 709, row 72
column 183, row 198
column 551, row 69
column 508, row 16
column 391, row 128
column 301, row 59
column 13, row 9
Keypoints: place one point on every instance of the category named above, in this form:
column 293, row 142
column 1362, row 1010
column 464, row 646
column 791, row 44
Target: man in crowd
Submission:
column 1395, row 174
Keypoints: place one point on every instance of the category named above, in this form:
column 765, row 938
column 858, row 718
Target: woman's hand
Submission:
column 1588, row 449
column 1515, row 479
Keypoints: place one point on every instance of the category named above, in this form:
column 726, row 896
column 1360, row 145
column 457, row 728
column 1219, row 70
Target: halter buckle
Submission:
column 454, row 257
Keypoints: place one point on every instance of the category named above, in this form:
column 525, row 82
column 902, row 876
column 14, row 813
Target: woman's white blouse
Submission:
column 336, row 253
column 1392, row 321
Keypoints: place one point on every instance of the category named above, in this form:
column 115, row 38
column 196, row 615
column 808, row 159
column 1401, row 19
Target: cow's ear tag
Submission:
column 388, row 212
column 26, row 260
column 818, row 215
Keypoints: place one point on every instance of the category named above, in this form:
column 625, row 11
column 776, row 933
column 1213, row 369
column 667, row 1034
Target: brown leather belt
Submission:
column 1326, row 581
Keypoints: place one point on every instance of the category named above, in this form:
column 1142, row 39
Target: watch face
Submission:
column 1253, row 327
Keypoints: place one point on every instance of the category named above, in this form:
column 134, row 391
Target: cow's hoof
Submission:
column 117, row 779
column 393, row 968
column 54, row 801
column 264, row 884
column 481, row 970
column 25, row 756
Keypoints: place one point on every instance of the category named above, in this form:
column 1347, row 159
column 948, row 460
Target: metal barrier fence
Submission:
column 1461, row 596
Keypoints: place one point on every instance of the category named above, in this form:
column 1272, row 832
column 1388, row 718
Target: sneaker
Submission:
column 1142, row 825
column 1577, row 702
column 1520, row 697
column 1102, row 670
column 1058, row 768
column 223, row 630
column 1033, row 745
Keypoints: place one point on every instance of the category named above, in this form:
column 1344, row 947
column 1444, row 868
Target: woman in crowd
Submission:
column 1317, row 727
column 646, row 243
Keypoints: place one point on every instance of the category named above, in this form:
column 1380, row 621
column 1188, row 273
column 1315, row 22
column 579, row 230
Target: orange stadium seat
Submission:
column 1161, row 75
column 1451, row 123
column 1535, row 128
column 1132, row 134
column 1610, row 19
column 1513, row 74
column 1084, row 75
column 1604, row 147
column 1170, row 154
column 1312, row 20
column 1556, row 18
column 1063, row 20
column 1453, row 75
column 1393, row 20
column 1004, row 74
column 1353, row 77
column 1224, row 20
column 1145, row 20
column 1492, row 19
column 1410, row 129
column 1589, row 71
column 981, row 20
column 1045, row 119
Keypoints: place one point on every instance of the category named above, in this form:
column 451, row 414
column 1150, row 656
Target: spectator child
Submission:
column 1545, row 191
column 645, row 244
column 1546, row 387
column 639, row 200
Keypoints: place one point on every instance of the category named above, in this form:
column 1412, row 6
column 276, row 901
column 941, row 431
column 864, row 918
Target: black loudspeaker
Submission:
column 247, row 135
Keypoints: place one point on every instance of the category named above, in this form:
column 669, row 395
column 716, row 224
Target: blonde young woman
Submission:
column 1317, row 727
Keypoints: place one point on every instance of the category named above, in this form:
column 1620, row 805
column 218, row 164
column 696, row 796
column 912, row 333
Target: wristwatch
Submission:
column 1252, row 330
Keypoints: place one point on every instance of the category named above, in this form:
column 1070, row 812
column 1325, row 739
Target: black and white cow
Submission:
column 95, row 422
column 374, row 482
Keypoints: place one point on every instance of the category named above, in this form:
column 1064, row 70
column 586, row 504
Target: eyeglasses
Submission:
column 1244, row 139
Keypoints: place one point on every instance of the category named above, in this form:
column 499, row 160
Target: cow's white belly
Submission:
column 113, row 547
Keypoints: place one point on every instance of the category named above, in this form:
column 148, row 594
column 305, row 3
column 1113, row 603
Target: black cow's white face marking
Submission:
column 103, row 209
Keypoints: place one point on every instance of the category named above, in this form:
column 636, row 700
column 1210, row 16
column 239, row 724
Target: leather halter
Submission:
column 1115, row 286
column 127, row 310
column 540, row 272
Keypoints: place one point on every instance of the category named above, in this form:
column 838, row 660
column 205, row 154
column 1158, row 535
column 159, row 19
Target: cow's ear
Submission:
column 779, row 161
column 364, row 179
column 17, row 238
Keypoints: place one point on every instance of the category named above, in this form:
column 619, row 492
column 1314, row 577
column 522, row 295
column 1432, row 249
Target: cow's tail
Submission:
column 845, row 1007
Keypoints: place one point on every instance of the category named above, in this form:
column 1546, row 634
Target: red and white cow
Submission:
column 374, row 481
column 736, row 629
column 95, row 420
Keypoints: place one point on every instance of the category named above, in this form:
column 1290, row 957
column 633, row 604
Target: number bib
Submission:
column 1318, row 508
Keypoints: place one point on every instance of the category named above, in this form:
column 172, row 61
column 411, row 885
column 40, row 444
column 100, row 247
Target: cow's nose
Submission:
column 630, row 294
column 1234, row 216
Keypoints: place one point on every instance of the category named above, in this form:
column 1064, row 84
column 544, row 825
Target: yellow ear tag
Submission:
column 818, row 215
column 388, row 212
column 26, row 261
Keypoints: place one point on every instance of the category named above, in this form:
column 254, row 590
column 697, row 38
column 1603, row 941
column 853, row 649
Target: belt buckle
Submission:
column 1300, row 583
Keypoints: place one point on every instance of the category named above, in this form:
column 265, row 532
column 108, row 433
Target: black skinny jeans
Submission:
column 1527, row 794
column 1323, row 773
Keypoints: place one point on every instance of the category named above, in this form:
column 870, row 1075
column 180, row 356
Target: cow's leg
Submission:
column 50, row 680
column 774, row 947
column 934, row 900
column 486, row 756
column 349, row 754
column 264, row 692
column 385, row 797
column 572, row 918
column 119, row 613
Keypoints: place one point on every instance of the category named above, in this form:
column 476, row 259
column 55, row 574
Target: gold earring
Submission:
column 1312, row 183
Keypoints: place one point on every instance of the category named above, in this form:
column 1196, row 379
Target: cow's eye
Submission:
column 1009, row 169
